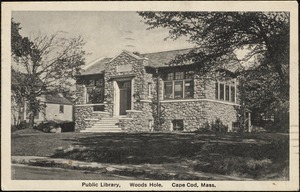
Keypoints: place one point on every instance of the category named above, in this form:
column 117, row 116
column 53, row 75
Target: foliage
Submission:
column 264, row 37
column 47, row 126
column 21, row 125
column 215, row 126
column 45, row 64
column 266, row 34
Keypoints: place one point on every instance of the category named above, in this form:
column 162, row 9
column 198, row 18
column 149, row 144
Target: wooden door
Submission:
column 125, row 96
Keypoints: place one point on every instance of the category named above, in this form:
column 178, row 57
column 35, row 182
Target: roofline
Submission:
column 101, row 73
column 128, row 53
column 170, row 50
column 51, row 102
column 93, row 63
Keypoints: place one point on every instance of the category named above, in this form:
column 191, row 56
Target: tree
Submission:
column 45, row 64
column 264, row 36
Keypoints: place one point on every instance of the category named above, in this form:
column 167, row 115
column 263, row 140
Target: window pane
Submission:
column 179, row 75
column 168, row 87
column 97, row 95
column 168, row 76
column 221, row 91
column 217, row 90
column 227, row 93
column 89, row 91
column 189, row 89
column 61, row 109
column 177, row 125
column 178, row 89
column 232, row 94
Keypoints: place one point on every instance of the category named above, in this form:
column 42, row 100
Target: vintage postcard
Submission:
column 150, row 96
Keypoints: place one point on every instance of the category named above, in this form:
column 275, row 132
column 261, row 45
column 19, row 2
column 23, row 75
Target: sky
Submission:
column 106, row 33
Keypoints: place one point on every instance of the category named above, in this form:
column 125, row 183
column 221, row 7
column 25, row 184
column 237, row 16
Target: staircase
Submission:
column 104, row 125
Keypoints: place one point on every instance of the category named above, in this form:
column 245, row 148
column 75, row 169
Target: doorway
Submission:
column 125, row 96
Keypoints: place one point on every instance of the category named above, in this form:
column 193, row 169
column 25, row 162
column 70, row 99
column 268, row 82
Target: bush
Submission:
column 67, row 126
column 47, row 126
column 214, row 127
column 22, row 125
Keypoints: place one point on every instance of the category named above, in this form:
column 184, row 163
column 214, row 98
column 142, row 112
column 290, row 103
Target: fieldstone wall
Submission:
column 195, row 113
column 138, row 71
column 138, row 120
column 80, row 91
column 84, row 117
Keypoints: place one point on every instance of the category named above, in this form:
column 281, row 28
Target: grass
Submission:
column 249, row 155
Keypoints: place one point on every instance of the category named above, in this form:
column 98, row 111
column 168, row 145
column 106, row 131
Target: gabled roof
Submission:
column 56, row 99
column 96, row 67
column 155, row 60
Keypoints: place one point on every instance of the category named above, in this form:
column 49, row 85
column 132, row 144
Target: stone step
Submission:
column 105, row 124
column 102, row 127
column 101, row 130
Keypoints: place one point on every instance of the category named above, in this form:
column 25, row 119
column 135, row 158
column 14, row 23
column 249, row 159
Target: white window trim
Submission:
column 226, row 84
column 173, row 88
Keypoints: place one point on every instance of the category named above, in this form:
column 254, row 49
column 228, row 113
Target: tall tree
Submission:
column 263, row 35
column 45, row 65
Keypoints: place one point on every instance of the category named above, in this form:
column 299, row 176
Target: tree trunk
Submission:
column 31, row 120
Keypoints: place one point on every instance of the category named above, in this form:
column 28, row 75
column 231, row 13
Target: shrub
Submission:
column 47, row 126
column 22, row 125
column 214, row 127
column 67, row 126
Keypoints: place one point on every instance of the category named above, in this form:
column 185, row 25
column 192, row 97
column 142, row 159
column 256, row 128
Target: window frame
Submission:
column 231, row 86
column 94, row 86
column 61, row 108
column 173, row 80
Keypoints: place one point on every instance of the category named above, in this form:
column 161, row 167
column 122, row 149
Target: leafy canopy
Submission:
column 264, row 34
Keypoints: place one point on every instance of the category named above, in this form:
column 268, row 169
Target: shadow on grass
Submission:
column 160, row 148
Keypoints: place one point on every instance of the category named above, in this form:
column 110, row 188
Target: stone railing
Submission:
column 85, row 114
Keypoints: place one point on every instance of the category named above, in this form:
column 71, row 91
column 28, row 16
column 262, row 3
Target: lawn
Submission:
column 260, row 156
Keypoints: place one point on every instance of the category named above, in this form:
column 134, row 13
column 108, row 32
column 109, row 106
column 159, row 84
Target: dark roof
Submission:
column 57, row 100
column 155, row 60
column 96, row 67
column 160, row 59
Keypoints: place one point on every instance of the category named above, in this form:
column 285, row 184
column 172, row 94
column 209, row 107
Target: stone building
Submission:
column 141, row 92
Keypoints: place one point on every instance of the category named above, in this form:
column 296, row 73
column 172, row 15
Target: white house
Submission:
column 57, row 107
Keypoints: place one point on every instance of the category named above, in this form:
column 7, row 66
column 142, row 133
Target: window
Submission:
column 177, row 125
column 168, row 90
column 61, row 108
column 150, row 89
column 221, row 96
column 225, row 91
column 232, row 88
column 178, row 90
column 95, row 92
column 178, row 85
